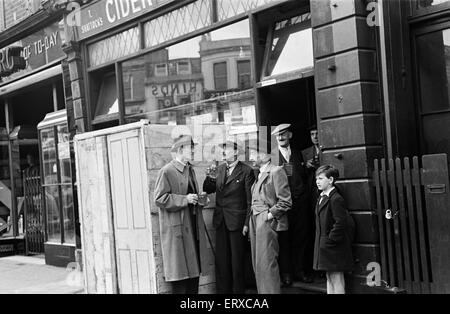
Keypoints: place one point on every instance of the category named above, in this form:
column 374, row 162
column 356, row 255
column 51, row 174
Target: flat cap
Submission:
column 281, row 128
column 182, row 140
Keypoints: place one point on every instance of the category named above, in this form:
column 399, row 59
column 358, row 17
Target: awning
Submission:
column 31, row 79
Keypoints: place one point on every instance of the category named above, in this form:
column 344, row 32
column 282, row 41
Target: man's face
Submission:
column 315, row 137
column 229, row 154
column 187, row 153
column 284, row 138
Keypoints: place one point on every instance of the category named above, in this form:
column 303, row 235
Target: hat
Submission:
column 182, row 140
column 259, row 144
column 232, row 143
column 312, row 127
column 281, row 129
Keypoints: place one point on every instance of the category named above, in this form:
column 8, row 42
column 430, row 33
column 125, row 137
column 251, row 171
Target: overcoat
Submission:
column 179, row 248
column 334, row 235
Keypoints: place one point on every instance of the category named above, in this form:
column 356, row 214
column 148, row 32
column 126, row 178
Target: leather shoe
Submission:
column 286, row 280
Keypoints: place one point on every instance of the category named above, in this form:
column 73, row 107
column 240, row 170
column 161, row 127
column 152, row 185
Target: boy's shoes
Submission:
column 286, row 280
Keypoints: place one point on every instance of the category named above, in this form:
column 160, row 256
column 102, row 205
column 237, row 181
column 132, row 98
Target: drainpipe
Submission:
column 384, row 78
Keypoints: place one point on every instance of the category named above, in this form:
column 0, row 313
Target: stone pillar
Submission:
column 349, row 115
column 77, row 118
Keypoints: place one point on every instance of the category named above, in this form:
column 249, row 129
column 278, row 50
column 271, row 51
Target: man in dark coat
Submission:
column 233, row 201
column 294, row 244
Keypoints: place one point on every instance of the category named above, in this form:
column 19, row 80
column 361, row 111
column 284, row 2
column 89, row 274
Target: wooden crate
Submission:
column 116, row 173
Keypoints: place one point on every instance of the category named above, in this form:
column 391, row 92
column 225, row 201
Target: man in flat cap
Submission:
column 233, row 200
column 176, row 195
column 293, row 245
column 271, row 200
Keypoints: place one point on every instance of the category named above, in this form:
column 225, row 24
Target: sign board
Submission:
column 106, row 14
column 32, row 52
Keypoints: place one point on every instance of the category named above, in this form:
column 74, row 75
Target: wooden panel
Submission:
column 361, row 97
column 325, row 11
column 133, row 235
column 344, row 35
column 358, row 194
column 360, row 130
column 366, row 227
column 356, row 65
column 437, row 197
column 353, row 162
column 95, row 216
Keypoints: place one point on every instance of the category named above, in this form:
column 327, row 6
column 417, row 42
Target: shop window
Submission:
column 107, row 101
column 291, row 46
column 220, row 76
column 434, row 69
column 203, row 91
column 244, row 74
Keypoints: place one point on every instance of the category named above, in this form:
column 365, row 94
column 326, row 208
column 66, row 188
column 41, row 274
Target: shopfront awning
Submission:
column 31, row 79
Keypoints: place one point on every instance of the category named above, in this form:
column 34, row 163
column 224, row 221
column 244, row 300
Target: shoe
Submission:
column 286, row 280
column 307, row 278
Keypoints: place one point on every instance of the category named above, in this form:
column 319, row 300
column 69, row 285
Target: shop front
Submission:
column 35, row 218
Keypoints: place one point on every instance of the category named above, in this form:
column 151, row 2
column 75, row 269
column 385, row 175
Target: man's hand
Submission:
column 310, row 164
column 192, row 199
column 269, row 216
column 244, row 231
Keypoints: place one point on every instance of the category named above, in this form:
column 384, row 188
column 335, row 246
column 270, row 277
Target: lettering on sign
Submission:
column 11, row 60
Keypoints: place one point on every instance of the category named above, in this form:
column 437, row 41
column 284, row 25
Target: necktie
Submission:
column 322, row 198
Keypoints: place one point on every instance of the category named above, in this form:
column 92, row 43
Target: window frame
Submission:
column 239, row 74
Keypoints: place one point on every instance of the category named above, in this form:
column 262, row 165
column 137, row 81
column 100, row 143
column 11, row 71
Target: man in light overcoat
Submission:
column 181, row 224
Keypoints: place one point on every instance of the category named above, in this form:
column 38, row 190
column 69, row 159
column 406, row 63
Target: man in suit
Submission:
column 294, row 244
column 232, row 186
column 176, row 195
column 271, row 200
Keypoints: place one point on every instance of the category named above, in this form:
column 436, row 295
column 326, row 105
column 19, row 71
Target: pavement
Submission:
column 30, row 275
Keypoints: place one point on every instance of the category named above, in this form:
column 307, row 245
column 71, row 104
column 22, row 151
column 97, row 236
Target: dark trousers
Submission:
column 187, row 286
column 230, row 261
column 297, row 244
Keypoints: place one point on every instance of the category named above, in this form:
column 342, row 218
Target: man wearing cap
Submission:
column 271, row 200
column 293, row 243
column 176, row 195
column 232, row 186
column 312, row 156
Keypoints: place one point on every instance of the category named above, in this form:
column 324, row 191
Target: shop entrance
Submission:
column 291, row 102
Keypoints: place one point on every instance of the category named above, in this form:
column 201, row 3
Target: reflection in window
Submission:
column 291, row 46
column 52, row 213
column 428, row 3
column 206, row 79
column 107, row 102
column 244, row 74
column 434, row 68
column 220, row 76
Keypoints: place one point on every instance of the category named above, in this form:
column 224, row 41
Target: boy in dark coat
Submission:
column 334, row 232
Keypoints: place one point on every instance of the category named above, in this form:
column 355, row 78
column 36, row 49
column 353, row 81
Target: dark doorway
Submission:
column 291, row 102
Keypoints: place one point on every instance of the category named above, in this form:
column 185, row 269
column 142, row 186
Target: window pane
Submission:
column 220, row 76
column 64, row 154
column 50, row 166
column 244, row 73
column 107, row 102
column 68, row 214
column 53, row 218
column 427, row 3
column 198, row 80
column 434, row 68
column 292, row 46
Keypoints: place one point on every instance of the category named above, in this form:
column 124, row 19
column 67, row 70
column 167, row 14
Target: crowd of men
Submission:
column 273, row 207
